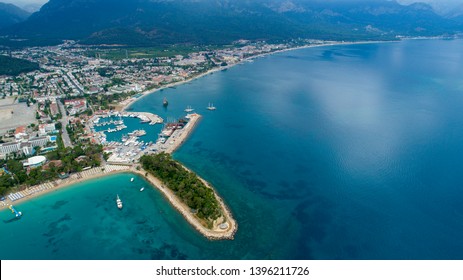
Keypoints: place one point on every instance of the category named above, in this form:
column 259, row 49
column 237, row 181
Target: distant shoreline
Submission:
column 130, row 101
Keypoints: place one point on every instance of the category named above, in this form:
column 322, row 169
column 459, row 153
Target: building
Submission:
column 25, row 147
column 47, row 128
column 75, row 106
column 54, row 109
column 35, row 162
column 9, row 148
column 40, row 141
column 20, row 132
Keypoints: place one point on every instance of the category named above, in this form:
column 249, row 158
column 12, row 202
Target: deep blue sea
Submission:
column 337, row 152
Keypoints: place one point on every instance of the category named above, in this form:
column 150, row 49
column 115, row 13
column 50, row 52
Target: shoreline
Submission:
column 146, row 93
column 130, row 101
column 216, row 233
column 213, row 234
column 61, row 184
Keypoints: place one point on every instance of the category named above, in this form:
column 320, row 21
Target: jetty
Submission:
column 178, row 136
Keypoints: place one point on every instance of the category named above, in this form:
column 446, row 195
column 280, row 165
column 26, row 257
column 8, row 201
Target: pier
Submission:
column 178, row 136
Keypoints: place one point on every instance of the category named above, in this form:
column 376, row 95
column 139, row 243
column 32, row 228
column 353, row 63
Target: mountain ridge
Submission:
column 11, row 14
column 144, row 22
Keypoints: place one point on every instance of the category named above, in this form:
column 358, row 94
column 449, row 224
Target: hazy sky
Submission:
column 22, row 3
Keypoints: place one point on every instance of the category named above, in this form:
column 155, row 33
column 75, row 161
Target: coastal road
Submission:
column 64, row 121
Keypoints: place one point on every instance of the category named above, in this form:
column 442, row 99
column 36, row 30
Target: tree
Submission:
column 186, row 185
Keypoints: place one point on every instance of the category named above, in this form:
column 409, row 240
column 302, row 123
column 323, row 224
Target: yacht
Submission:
column 142, row 189
column 165, row 102
column 211, row 107
column 119, row 202
column 131, row 180
column 189, row 109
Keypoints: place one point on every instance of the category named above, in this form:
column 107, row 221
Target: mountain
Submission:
column 441, row 7
column 147, row 22
column 10, row 14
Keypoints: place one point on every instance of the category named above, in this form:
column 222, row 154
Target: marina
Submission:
column 133, row 144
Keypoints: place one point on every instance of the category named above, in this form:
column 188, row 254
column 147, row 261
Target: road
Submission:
column 64, row 121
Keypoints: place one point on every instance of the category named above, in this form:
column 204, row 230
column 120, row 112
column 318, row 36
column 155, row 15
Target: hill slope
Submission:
column 10, row 14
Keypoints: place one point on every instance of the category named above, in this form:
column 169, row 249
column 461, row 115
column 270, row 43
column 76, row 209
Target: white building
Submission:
column 46, row 128
column 26, row 146
column 35, row 161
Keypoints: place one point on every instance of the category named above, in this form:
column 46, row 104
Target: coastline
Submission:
column 145, row 93
column 216, row 233
column 213, row 234
column 61, row 184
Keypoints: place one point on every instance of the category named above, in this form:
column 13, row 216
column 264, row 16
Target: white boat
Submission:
column 211, row 107
column 131, row 180
column 142, row 189
column 140, row 132
column 189, row 109
column 119, row 202
column 161, row 140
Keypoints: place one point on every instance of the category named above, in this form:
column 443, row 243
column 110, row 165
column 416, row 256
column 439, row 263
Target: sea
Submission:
column 334, row 152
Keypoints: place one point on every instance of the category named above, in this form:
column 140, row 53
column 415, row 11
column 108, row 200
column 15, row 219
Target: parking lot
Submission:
column 14, row 114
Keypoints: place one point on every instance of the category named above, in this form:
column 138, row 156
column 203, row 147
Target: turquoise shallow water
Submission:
column 339, row 152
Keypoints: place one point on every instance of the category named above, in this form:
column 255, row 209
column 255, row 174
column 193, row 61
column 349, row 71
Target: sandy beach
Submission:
column 72, row 180
column 215, row 233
